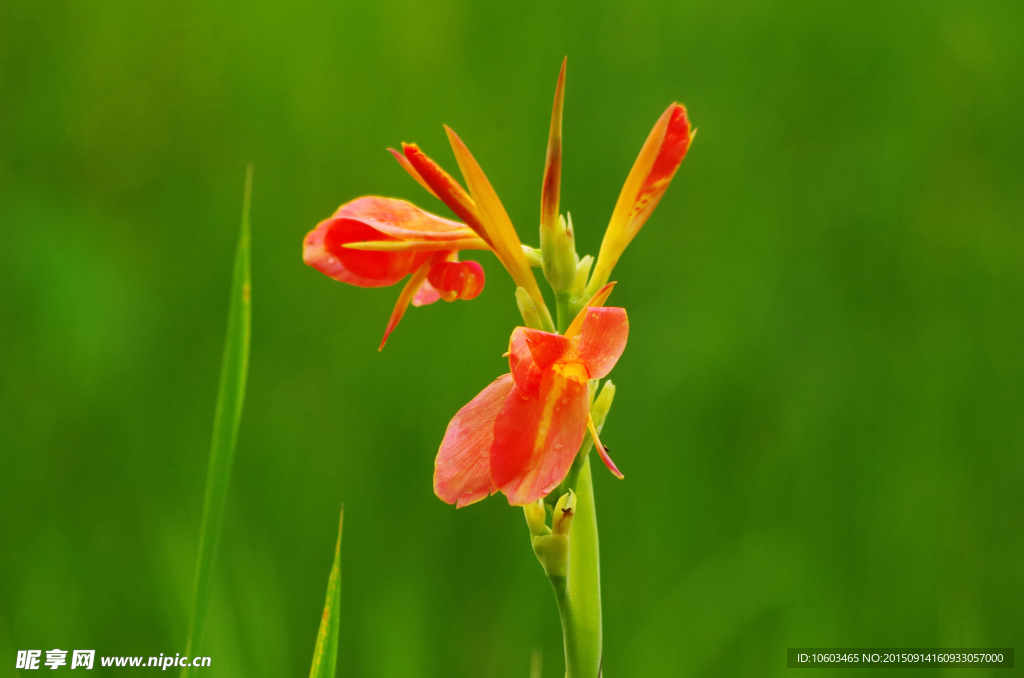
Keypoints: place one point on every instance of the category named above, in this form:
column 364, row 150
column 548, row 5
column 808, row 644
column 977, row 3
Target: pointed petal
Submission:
column 401, row 219
column 446, row 188
column 500, row 231
column 324, row 249
column 520, row 361
column 602, row 450
column 407, row 166
column 473, row 243
column 536, row 439
column 551, row 188
column 462, row 472
column 596, row 301
column 602, row 340
column 654, row 168
column 408, row 292
column 670, row 156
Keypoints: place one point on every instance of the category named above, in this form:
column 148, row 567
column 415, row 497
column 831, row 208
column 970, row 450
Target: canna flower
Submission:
column 521, row 433
column 375, row 242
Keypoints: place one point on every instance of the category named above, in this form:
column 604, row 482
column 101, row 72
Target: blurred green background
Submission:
column 820, row 407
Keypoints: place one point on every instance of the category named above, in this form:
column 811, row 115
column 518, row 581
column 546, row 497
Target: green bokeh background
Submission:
column 820, row 408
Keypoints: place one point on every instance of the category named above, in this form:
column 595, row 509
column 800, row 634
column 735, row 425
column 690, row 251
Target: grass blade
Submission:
column 230, row 398
column 325, row 655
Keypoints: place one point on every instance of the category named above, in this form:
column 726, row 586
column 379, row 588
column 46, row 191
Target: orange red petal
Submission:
column 462, row 471
column 536, row 439
column 602, row 339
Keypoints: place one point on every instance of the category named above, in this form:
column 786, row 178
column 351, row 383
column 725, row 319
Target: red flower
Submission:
column 375, row 242
column 521, row 433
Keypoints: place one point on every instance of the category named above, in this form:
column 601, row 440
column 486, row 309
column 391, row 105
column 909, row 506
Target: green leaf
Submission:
column 230, row 398
column 325, row 655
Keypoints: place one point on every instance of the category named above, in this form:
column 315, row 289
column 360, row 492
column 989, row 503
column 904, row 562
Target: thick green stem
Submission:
column 579, row 594
column 584, row 583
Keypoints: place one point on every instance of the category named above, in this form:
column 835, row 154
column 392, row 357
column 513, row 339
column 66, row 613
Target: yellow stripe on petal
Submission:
column 473, row 243
column 496, row 222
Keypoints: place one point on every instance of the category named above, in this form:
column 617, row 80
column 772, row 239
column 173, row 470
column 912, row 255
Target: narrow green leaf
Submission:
column 325, row 655
column 230, row 398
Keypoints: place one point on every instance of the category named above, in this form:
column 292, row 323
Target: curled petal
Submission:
column 324, row 249
column 536, row 439
column 602, row 340
column 602, row 450
column 595, row 301
column 464, row 279
column 462, row 473
column 520, row 360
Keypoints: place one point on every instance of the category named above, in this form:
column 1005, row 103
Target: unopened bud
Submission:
column 532, row 256
column 582, row 275
column 603, row 403
column 558, row 256
column 563, row 514
column 536, row 518
column 531, row 317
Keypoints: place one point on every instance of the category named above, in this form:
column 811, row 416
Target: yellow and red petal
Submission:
column 446, row 188
column 412, row 287
column 602, row 340
column 401, row 219
column 546, row 348
column 500, row 232
column 324, row 249
column 462, row 471
column 536, row 439
column 524, row 370
column 647, row 181
column 407, row 166
column 670, row 155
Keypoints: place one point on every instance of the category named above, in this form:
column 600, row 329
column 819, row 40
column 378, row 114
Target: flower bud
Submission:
column 552, row 551
column 564, row 511
column 558, row 256
column 536, row 518
column 603, row 403
column 528, row 309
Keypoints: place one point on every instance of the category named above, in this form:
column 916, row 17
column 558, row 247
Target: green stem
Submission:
column 584, row 585
column 579, row 594
column 562, row 303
